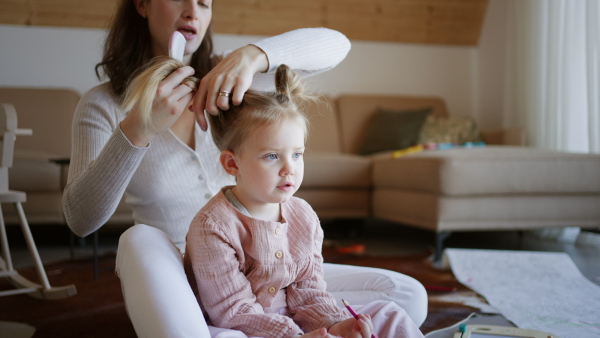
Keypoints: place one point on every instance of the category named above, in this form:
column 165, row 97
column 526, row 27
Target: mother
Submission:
column 167, row 173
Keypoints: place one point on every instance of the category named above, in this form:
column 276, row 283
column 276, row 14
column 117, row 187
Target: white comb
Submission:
column 176, row 46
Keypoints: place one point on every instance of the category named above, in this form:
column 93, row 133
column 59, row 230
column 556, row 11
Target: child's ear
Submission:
column 227, row 160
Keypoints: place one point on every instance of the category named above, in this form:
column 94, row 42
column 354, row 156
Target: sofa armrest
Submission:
column 507, row 137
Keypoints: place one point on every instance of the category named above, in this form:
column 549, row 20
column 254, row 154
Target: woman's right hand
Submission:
column 170, row 101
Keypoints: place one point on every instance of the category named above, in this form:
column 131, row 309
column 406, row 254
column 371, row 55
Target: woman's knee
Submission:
column 415, row 299
column 141, row 237
column 409, row 294
column 137, row 235
column 142, row 245
column 381, row 284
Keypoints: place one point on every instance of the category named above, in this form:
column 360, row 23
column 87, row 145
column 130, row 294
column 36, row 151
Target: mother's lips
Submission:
column 187, row 28
column 188, row 32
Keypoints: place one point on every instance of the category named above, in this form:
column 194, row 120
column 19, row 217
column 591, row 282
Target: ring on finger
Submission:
column 224, row 93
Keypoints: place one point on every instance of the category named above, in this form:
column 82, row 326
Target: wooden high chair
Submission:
column 8, row 132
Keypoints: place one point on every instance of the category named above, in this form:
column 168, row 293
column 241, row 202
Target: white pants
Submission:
column 160, row 302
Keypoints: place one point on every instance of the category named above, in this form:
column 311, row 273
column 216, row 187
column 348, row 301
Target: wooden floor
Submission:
column 380, row 239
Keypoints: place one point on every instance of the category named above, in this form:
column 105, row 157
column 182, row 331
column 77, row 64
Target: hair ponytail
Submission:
column 288, row 83
column 141, row 90
column 259, row 109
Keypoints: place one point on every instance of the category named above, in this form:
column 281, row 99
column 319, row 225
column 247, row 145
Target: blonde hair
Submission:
column 260, row 109
column 142, row 88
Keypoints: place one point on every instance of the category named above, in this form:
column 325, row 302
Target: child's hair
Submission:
column 142, row 88
column 260, row 109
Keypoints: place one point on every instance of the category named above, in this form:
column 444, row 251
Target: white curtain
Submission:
column 553, row 73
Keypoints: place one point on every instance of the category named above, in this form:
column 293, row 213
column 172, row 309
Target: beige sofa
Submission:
column 338, row 182
column 503, row 186
column 491, row 188
column 48, row 113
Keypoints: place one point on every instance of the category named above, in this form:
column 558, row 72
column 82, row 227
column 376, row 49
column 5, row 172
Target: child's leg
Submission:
column 389, row 320
column 361, row 285
column 158, row 298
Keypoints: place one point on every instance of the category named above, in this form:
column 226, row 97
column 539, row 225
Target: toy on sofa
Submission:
column 435, row 146
column 8, row 132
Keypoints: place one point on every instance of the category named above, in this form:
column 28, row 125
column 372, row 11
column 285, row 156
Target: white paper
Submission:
column 535, row 290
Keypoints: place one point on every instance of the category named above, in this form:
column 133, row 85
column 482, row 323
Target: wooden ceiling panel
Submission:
column 454, row 22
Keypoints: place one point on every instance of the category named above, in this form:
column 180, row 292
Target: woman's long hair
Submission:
column 128, row 47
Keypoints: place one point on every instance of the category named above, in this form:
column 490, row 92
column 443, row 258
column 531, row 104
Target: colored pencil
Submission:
column 355, row 315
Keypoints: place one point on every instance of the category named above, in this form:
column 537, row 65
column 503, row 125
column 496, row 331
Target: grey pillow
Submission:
column 393, row 130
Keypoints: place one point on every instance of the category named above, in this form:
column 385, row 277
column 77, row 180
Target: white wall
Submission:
column 49, row 57
column 395, row 68
column 65, row 57
column 491, row 67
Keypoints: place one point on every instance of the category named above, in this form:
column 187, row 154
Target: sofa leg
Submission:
column 521, row 235
column 440, row 237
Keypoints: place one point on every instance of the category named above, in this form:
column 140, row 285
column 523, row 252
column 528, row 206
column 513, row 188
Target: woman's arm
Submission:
column 308, row 51
column 102, row 163
column 211, row 262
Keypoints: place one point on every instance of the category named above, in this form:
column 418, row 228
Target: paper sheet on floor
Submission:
column 535, row 290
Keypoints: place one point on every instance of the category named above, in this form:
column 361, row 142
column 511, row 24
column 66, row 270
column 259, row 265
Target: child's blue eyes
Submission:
column 274, row 156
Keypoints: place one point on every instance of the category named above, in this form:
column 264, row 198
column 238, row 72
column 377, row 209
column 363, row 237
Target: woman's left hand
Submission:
column 233, row 75
column 353, row 328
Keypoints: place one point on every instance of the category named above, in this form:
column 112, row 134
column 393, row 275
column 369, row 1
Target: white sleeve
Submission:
column 308, row 51
column 102, row 164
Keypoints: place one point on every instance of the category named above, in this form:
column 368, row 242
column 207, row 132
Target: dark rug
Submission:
column 98, row 309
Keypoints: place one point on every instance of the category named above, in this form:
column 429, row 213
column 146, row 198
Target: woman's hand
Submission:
column 353, row 328
column 234, row 75
column 169, row 103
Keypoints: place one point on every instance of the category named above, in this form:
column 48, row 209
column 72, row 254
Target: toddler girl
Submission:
column 253, row 253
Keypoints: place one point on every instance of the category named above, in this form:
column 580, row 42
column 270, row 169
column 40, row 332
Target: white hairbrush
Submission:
column 176, row 46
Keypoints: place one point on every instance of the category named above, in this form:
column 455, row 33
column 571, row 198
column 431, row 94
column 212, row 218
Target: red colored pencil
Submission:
column 355, row 315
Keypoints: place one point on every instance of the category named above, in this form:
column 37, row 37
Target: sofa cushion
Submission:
column 32, row 171
column 393, row 130
column 337, row 203
column 354, row 112
column 335, row 170
column 48, row 112
column 323, row 134
column 493, row 212
column 490, row 170
column 454, row 129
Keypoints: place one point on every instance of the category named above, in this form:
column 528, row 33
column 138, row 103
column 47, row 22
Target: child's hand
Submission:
column 352, row 328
